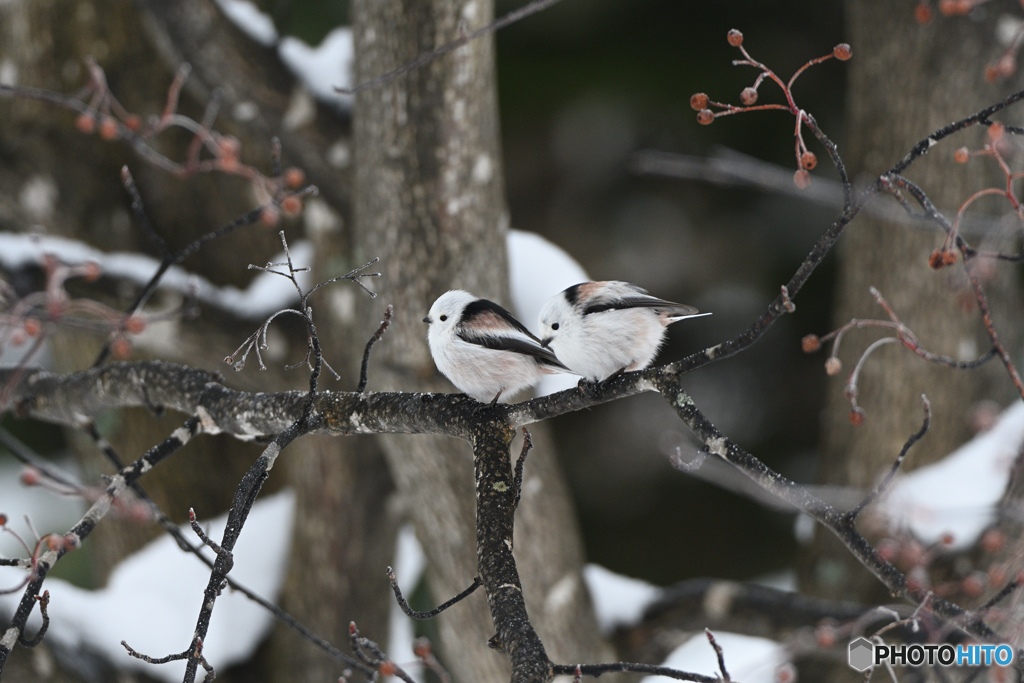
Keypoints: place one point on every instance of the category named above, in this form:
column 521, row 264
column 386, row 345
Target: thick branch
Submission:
column 840, row 524
column 495, row 496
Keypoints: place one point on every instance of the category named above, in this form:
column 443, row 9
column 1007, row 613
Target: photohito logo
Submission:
column 864, row 654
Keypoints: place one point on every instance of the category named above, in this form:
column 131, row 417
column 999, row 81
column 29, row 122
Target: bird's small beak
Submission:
column 545, row 342
column 427, row 320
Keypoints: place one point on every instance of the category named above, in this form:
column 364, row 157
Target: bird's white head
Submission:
column 446, row 312
column 558, row 316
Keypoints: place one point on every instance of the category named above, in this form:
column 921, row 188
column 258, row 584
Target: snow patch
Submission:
column 265, row 294
column 153, row 597
column 324, row 67
column 618, row 600
column 747, row 658
column 958, row 495
column 248, row 17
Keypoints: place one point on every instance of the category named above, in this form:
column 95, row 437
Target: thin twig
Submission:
column 881, row 487
column 402, row 603
column 364, row 368
column 718, row 648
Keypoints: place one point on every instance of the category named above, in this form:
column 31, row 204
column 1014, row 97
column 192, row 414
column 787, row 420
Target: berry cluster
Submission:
column 805, row 159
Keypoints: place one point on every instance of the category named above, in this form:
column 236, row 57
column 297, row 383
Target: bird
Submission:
column 483, row 349
column 601, row 329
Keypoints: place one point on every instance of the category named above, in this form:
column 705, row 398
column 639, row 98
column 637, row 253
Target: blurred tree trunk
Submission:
column 907, row 80
column 429, row 200
column 344, row 536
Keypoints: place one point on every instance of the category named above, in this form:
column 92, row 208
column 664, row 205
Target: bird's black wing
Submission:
column 639, row 302
column 526, row 347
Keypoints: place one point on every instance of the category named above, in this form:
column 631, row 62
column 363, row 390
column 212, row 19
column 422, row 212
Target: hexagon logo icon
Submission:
column 862, row 654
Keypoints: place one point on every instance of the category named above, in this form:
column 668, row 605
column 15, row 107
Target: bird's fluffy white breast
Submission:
column 479, row 371
column 600, row 344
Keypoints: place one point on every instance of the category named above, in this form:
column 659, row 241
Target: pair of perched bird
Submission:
column 593, row 329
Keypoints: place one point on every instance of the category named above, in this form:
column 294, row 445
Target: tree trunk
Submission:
column 429, row 200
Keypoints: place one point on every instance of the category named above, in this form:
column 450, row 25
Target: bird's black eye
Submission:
column 554, row 326
column 443, row 318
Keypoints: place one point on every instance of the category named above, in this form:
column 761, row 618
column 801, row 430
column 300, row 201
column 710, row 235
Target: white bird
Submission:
column 599, row 329
column 483, row 349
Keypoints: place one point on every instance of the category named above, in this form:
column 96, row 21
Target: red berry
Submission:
column 888, row 548
column 698, row 101
column 949, row 257
column 1007, row 65
column 974, row 584
column 705, row 117
column 121, row 348
column 810, row 343
column 29, row 477
column 291, row 206
column 108, row 129
column 842, row 52
column 32, row 327
column 748, row 96
column 269, row 216
column 996, row 130
column 85, row 123
column 134, row 324
column 808, row 160
column 923, row 13
column 962, row 155
column 936, row 260
column 857, row 417
column 993, row 540
column 228, row 163
column 91, row 271
column 421, row 647
column 950, row 8
column 387, row 668
column 229, row 145
column 294, row 177
column 802, row 179
column 735, row 38
column 132, row 122
column 786, row 673
column 825, row 634
column 832, row 366
column 3, row 520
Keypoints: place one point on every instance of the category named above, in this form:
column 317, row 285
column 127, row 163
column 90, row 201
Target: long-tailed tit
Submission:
column 483, row 350
column 599, row 329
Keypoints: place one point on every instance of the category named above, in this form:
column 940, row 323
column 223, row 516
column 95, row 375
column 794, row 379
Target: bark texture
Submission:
column 907, row 80
column 429, row 200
